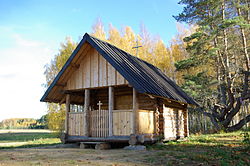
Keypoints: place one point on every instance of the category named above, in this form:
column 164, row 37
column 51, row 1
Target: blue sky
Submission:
column 31, row 32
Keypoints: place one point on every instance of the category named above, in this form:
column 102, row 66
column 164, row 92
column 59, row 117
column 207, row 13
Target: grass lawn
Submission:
column 211, row 149
column 214, row 149
column 25, row 138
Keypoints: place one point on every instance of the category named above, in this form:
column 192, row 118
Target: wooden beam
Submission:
column 86, row 112
column 76, row 66
column 71, row 92
column 63, row 100
column 135, row 112
column 67, row 113
column 63, row 85
column 111, row 107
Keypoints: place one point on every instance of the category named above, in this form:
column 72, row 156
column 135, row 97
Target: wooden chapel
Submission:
column 111, row 95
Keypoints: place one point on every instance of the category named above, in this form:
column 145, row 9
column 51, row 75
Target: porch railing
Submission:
column 75, row 123
column 99, row 123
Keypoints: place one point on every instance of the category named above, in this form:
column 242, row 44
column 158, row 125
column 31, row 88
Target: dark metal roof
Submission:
column 143, row 76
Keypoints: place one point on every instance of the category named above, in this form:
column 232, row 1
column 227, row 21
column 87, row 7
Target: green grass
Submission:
column 221, row 149
column 27, row 138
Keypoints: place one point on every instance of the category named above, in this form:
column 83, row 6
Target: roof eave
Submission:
column 58, row 76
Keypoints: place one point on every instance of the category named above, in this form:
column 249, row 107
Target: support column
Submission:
column 111, row 107
column 86, row 112
column 186, row 130
column 135, row 112
column 67, row 113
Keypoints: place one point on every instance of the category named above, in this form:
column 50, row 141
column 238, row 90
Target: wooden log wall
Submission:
column 75, row 124
column 169, row 123
column 146, row 103
column 94, row 71
column 160, row 118
column 122, row 122
column 123, row 98
column 174, row 123
column 186, row 127
column 180, row 123
column 99, row 123
column 99, row 95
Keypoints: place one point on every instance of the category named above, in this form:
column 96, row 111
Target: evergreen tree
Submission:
column 220, row 43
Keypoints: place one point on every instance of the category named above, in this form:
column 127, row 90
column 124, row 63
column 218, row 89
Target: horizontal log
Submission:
column 130, row 110
column 145, row 110
column 121, row 139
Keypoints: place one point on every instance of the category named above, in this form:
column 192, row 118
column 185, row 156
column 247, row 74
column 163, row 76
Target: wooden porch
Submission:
column 99, row 118
column 113, row 117
column 99, row 123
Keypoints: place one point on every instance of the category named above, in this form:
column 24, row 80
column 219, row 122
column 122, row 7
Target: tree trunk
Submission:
column 244, row 42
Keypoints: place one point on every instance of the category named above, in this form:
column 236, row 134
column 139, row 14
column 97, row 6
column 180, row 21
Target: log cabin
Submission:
column 112, row 96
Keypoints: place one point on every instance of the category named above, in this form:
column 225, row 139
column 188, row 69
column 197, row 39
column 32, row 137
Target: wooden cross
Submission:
column 99, row 104
column 136, row 47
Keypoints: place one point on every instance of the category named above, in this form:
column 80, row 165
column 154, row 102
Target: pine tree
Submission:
column 216, row 44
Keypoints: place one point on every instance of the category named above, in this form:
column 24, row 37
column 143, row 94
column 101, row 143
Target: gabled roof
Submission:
column 143, row 76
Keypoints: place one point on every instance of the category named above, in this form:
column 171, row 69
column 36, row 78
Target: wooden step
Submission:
column 98, row 145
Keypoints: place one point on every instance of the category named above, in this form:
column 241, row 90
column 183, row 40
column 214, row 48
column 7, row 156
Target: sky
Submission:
column 31, row 32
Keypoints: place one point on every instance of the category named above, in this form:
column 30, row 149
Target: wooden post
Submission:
column 86, row 112
column 186, row 123
column 111, row 107
column 135, row 112
column 67, row 113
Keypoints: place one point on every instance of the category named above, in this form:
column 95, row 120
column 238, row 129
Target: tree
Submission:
column 98, row 30
column 43, row 122
column 220, row 43
column 56, row 112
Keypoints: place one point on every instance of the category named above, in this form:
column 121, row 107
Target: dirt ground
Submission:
column 44, row 149
column 73, row 156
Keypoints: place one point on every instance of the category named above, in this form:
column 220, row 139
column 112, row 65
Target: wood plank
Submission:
column 69, row 130
column 95, row 69
column 111, row 107
column 76, row 79
column 101, row 124
column 102, row 70
column 80, row 76
column 87, row 72
column 111, row 75
column 79, row 124
column 107, row 123
column 74, row 124
column 146, row 123
column 92, row 68
column 120, row 79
